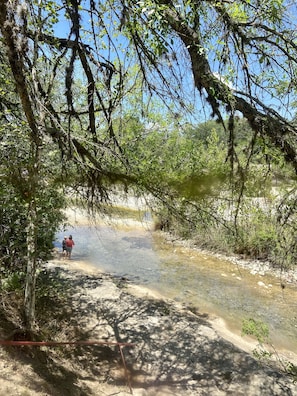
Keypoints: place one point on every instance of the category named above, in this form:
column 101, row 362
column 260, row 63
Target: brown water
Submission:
column 210, row 284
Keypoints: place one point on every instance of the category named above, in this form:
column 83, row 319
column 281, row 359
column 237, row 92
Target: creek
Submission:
column 207, row 283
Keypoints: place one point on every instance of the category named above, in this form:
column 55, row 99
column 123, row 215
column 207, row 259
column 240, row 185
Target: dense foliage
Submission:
column 15, row 193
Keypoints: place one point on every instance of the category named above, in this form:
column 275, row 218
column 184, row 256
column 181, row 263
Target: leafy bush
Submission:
column 257, row 329
column 13, row 281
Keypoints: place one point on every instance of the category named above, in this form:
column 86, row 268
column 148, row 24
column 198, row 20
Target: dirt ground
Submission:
column 175, row 352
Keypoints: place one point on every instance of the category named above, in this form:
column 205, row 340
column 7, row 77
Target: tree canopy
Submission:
column 75, row 64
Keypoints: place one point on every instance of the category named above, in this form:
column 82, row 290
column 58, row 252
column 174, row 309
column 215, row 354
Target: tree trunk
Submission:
column 32, row 231
column 31, row 267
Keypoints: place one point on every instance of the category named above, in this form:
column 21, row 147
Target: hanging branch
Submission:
column 266, row 121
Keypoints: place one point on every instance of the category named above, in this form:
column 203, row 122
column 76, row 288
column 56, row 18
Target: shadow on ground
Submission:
column 173, row 346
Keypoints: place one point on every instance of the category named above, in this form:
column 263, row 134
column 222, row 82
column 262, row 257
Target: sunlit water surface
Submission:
column 210, row 284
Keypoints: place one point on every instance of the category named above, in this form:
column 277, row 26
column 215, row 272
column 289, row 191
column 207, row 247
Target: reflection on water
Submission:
column 213, row 285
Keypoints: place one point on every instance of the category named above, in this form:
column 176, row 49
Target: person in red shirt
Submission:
column 69, row 245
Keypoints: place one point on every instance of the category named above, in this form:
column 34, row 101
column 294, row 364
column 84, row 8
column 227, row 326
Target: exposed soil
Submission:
column 175, row 351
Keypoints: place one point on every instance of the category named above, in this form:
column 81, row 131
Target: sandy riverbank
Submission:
column 175, row 352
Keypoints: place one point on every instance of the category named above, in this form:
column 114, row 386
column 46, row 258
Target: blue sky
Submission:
column 202, row 110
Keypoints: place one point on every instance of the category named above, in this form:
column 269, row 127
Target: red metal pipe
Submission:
column 56, row 343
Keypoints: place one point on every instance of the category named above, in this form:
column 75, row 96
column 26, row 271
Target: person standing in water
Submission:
column 69, row 245
column 64, row 250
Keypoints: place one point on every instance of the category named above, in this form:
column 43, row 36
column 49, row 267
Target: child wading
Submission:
column 64, row 252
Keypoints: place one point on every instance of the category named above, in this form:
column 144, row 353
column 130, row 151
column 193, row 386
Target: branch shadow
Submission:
column 174, row 347
column 184, row 352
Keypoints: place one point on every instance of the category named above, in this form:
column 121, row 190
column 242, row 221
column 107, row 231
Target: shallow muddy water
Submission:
column 205, row 282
